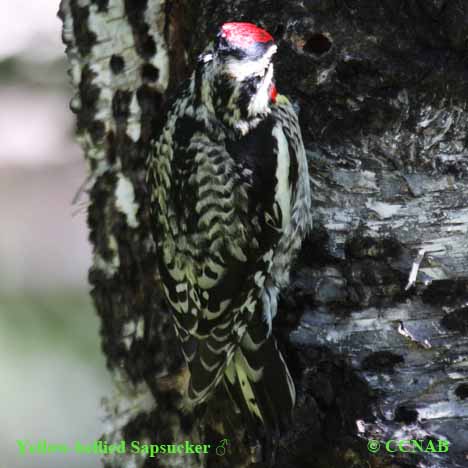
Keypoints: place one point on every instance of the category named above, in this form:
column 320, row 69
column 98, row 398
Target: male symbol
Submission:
column 221, row 449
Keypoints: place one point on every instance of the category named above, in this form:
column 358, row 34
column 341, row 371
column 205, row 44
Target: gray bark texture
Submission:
column 374, row 324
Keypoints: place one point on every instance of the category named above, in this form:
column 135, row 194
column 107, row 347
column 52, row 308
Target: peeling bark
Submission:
column 374, row 324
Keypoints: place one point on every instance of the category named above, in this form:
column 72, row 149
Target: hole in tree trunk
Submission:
column 462, row 391
column 317, row 44
column 406, row 415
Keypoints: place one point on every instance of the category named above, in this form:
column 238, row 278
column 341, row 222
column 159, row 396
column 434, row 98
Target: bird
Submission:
column 229, row 194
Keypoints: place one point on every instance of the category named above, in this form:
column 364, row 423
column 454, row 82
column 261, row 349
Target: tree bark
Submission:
column 374, row 324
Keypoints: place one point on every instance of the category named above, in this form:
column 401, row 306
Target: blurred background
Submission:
column 52, row 372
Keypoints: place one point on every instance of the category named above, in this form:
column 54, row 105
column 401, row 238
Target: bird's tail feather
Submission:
column 259, row 381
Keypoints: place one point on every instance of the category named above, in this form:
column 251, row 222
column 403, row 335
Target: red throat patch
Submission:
column 244, row 34
column 273, row 93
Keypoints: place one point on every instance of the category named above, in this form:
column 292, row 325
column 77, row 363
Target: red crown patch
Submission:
column 244, row 34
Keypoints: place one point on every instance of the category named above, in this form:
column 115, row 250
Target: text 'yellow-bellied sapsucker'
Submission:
column 230, row 196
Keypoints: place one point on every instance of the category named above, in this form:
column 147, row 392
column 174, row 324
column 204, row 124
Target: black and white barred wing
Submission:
column 215, row 246
column 296, row 198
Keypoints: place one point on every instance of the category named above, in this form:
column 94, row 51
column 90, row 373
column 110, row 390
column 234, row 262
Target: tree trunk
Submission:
column 374, row 324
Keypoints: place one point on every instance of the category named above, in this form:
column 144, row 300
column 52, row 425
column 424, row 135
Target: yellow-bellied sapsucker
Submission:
column 230, row 196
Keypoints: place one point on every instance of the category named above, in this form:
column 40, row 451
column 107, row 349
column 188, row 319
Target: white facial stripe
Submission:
column 259, row 103
column 241, row 69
